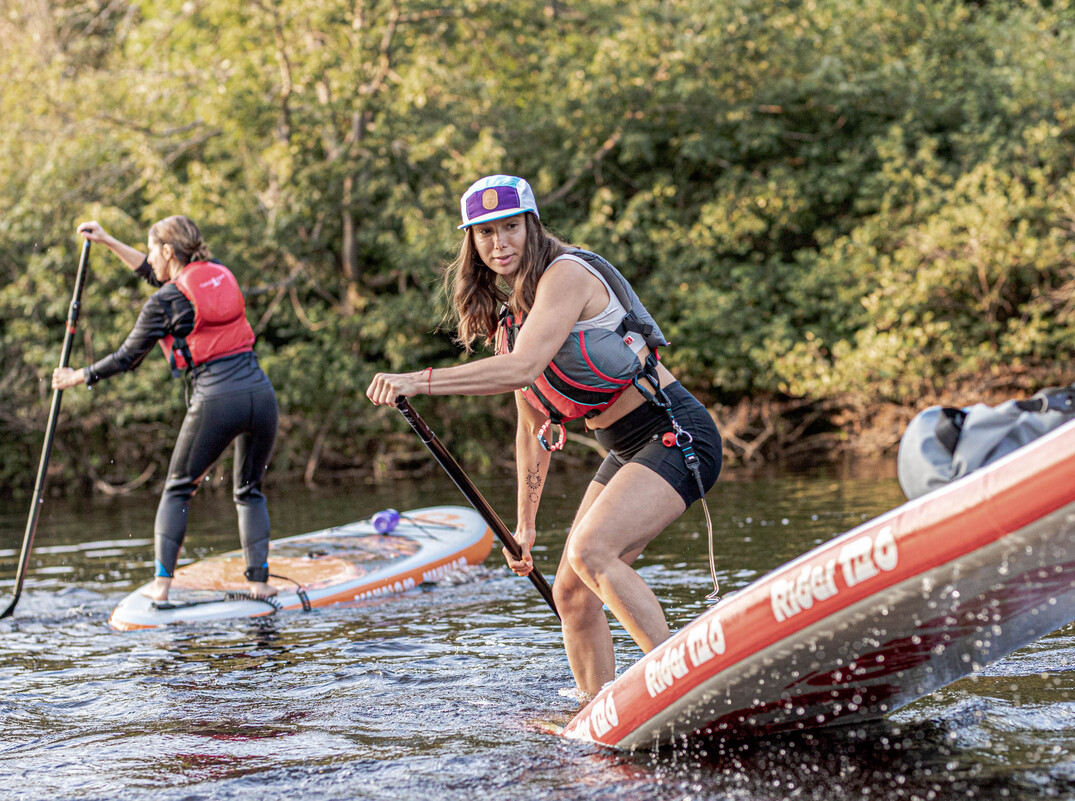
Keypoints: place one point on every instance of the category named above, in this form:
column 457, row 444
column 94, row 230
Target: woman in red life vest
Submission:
column 199, row 316
column 568, row 320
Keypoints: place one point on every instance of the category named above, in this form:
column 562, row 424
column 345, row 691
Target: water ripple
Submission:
column 455, row 691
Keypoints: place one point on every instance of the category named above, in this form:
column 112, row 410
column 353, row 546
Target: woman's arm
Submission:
column 166, row 312
column 562, row 294
column 130, row 256
column 532, row 467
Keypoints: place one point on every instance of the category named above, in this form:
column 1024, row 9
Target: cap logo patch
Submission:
column 494, row 198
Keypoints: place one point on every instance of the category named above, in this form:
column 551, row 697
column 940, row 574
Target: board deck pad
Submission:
column 870, row 621
column 317, row 563
column 340, row 564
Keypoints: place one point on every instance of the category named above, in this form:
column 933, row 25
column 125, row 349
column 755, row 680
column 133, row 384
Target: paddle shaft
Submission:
column 50, row 430
column 466, row 486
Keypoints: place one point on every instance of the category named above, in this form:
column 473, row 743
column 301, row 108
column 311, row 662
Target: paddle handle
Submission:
column 50, row 430
column 471, row 493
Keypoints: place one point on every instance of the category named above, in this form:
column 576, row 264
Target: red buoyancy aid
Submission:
column 593, row 367
column 220, row 325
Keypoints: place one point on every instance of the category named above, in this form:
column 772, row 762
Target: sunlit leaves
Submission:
column 832, row 199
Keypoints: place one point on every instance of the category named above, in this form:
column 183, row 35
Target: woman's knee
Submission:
column 587, row 562
column 573, row 598
column 179, row 489
column 248, row 494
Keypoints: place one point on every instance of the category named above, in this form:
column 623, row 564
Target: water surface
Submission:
column 454, row 692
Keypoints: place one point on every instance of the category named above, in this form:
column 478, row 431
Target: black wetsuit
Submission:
column 233, row 399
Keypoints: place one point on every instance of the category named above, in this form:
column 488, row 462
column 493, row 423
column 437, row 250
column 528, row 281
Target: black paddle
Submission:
column 50, row 430
column 466, row 486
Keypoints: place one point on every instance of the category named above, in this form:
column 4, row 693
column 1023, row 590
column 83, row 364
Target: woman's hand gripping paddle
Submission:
column 50, row 430
column 466, row 486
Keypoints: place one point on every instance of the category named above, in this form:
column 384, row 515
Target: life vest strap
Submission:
column 649, row 372
column 631, row 324
column 179, row 345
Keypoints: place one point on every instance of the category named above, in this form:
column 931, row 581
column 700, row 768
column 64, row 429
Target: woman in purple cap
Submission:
column 573, row 340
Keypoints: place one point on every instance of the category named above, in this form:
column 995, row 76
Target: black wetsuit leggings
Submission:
column 210, row 425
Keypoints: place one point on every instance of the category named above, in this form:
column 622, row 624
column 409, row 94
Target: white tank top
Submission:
column 612, row 315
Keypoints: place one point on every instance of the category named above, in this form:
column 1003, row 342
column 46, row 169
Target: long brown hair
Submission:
column 476, row 293
column 183, row 235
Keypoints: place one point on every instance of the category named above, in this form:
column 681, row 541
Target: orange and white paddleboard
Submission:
column 878, row 617
column 353, row 562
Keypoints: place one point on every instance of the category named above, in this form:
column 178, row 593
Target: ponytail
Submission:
column 183, row 235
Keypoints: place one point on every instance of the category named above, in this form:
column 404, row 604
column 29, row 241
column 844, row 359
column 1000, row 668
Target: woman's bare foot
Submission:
column 158, row 590
column 260, row 589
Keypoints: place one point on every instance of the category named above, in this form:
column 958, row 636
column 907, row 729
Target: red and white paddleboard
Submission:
column 874, row 619
column 345, row 563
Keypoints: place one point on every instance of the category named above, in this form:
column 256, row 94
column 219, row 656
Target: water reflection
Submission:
column 455, row 691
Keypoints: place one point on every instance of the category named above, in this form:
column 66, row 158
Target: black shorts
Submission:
column 636, row 438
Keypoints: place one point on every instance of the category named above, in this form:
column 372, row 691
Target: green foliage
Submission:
column 843, row 201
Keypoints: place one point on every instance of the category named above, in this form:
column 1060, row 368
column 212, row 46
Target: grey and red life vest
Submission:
column 595, row 366
column 220, row 325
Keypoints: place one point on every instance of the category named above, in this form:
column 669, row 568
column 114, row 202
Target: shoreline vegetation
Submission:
column 839, row 211
column 760, row 438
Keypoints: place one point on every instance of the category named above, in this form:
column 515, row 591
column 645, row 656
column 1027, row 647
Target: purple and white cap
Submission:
column 495, row 197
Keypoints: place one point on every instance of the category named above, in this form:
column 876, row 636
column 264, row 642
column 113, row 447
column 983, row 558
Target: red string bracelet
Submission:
column 429, row 381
